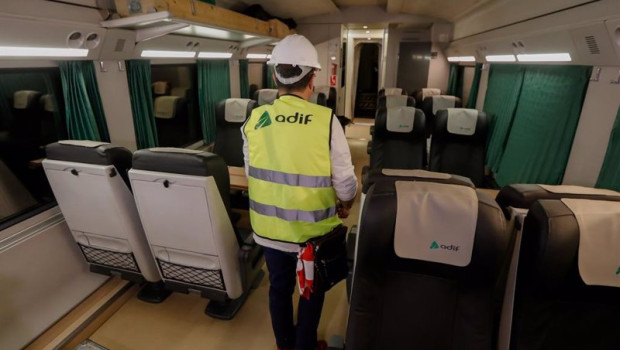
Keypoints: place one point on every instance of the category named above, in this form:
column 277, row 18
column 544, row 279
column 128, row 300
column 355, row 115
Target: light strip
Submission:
column 545, row 57
column 257, row 56
column 168, row 54
column 462, row 59
column 501, row 58
column 206, row 54
column 16, row 51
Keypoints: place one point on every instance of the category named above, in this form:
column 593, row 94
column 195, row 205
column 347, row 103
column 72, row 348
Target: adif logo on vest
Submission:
column 435, row 245
column 294, row 119
column 263, row 121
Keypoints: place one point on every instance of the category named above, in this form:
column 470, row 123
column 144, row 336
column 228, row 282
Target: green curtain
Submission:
column 500, row 104
column 475, row 84
column 244, row 80
column 544, row 125
column 609, row 177
column 139, row 80
column 455, row 81
column 213, row 87
column 268, row 82
column 79, row 112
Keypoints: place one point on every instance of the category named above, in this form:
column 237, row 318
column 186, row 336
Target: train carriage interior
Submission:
column 485, row 137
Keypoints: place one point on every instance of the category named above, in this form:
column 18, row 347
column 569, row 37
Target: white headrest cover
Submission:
column 160, row 87
column 236, row 110
column 174, row 150
column 23, row 99
column 322, row 89
column 599, row 240
column 48, row 103
column 396, row 101
column 393, row 91
column 400, row 119
column 166, row 106
column 428, row 92
column 83, row 143
column 415, row 173
column 443, row 102
column 462, row 121
column 435, row 222
column 570, row 189
column 267, row 96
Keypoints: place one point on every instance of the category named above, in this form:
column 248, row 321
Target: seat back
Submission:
column 182, row 196
column 161, row 88
column 230, row 114
column 567, row 294
column 26, row 114
column 458, row 145
column 89, row 180
column 318, row 98
column 390, row 101
column 265, row 96
column 422, row 94
column 434, row 103
column 398, row 140
column 392, row 91
column 330, row 93
column 407, row 291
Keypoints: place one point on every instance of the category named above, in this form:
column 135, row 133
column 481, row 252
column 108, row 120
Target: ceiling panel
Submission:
column 296, row 9
column 449, row 10
column 345, row 3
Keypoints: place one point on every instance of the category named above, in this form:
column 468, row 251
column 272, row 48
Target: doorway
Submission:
column 367, row 80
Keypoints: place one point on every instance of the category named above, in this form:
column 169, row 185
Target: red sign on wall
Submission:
column 332, row 80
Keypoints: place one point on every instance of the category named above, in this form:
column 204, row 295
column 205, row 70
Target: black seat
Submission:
column 398, row 140
column 421, row 94
column 392, row 91
column 230, row 114
column 390, row 101
column 554, row 308
column 318, row 98
column 402, row 302
column 434, row 103
column 459, row 143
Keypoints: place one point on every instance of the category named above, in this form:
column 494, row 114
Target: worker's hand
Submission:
column 343, row 208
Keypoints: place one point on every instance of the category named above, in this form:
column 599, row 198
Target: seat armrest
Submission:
column 369, row 147
column 372, row 129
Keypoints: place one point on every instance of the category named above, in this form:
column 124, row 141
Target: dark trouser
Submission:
column 282, row 278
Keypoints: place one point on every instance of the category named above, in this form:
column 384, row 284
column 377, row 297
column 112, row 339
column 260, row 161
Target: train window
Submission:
column 175, row 104
column 31, row 116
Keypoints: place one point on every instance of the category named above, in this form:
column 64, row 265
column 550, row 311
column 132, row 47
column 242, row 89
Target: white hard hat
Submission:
column 295, row 50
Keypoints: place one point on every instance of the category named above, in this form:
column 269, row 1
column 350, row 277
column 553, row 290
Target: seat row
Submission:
column 441, row 265
column 160, row 216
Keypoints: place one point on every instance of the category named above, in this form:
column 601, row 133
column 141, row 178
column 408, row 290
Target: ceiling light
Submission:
column 16, row 51
column 206, row 54
column 545, row 57
column 365, row 27
column 333, row 58
column 368, row 32
column 501, row 58
column 168, row 54
column 256, row 56
column 369, row 39
column 462, row 59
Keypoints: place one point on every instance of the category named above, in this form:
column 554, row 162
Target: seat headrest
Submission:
column 462, row 121
column 428, row 92
column 165, row 107
column 318, row 98
column 25, row 99
column 383, row 175
column 443, row 102
column 400, row 119
column 48, row 103
column 236, row 110
column 89, row 152
column 266, row 96
column 161, row 87
column 178, row 161
column 390, row 101
column 422, row 231
column 393, row 91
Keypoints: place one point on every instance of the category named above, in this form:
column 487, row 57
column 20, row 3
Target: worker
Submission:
column 301, row 181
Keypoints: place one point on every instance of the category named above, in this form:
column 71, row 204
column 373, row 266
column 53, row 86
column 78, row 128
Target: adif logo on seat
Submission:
column 263, row 121
column 454, row 248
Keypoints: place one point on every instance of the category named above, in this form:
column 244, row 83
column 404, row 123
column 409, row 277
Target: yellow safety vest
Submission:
column 289, row 176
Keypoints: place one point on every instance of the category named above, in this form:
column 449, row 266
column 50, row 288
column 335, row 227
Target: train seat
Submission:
column 171, row 115
column 567, row 291
column 392, row 91
column 330, row 93
column 434, row 103
column 90, row 183
column 398, row 140
column 318, row 98
column 422, row 281
column 265, row 96
column 389, row 101
column 161, row 88
column 459, row 142
column 230, row 114
column 515, row 201
column 422, row 94
column 182, row 197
